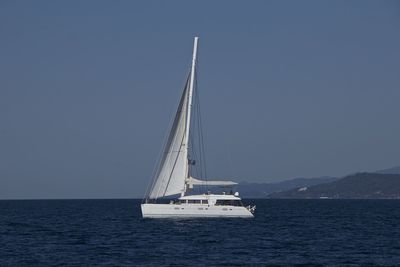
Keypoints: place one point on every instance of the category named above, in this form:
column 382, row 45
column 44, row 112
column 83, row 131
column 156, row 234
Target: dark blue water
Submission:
column 284, row 233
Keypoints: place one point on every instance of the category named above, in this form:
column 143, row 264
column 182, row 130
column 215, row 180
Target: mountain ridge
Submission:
column 262, row 190
column 356, row 186
column 278, row 189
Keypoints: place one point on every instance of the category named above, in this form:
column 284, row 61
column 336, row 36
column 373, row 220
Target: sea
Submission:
column 283, row 233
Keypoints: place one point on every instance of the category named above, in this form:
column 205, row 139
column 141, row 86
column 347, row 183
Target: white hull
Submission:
column 193, row 211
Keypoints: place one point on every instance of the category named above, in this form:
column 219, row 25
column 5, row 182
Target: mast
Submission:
column 189, row 107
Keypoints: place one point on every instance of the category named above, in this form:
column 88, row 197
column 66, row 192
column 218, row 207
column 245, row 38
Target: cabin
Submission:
column 211, row 200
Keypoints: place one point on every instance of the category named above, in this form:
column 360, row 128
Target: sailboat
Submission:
column 174, row 175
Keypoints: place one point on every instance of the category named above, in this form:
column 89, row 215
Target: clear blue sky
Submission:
column 288, row 89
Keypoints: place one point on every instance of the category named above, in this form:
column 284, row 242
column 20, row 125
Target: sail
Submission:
column 172, row 170
column 193, row 181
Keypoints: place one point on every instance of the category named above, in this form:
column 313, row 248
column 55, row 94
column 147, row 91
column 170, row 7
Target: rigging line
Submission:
column 201, row 134
column 195, row 142
column 200, row 138
column 201, row 153
column 195, row 171
column 192, row 155
column 195, row 148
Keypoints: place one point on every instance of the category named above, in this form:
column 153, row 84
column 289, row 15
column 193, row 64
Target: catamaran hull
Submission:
column 193, row 211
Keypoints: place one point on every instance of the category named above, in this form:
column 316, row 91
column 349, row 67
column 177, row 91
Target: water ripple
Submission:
column 283, row 233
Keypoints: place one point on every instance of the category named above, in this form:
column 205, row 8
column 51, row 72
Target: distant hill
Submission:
column 357, row 186
column 394, row 170
column 262, row 190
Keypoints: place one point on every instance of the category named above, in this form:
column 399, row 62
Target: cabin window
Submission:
column 228, row 203
column 194, row 201
column 204, row 201
column 182, row 201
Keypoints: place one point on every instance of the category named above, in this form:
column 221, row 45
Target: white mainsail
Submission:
column 173, row 175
